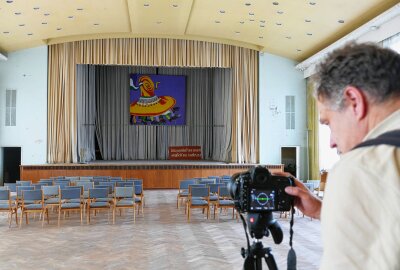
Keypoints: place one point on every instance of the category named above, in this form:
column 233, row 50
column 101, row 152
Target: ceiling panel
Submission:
column 291, row 28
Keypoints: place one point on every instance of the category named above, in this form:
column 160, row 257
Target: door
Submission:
column 11, row 163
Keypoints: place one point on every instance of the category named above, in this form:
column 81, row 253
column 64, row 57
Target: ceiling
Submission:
column 295, row 29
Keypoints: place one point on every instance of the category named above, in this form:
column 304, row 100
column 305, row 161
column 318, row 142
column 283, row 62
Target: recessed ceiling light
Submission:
column 312, row 3
column 30, row 34
column 279, row 12
column 237, row 32
column 146, row 4
column 46, row 14
column 59, row 28
column 21, row 24
column 309, row 34
column 175, row 5
column 252, row 20
column 70, row 17
column 44, row 22
column 36, row 8
column 222, row 11
column 248, row 4
column 275, row 3
column 278, row 23
column 17, row 13
column 6, row 32
column 217, row 21
column 96, row 24
column 260, row 37
column 340, row 21
column 261, row 25
column 307, row 20
column 262, row 21
column 9, row 1
column 251, row 13
column 79, row 9
column 159, row 22
column 288, row 37
column 298, row 50
column 241, row 22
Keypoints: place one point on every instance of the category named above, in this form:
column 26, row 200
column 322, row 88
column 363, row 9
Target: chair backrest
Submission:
column 70, row 193
column 95, row 193
column 206, row 181
column 39, row 185
column 4, row 188
column 23, row 188
column 86, row 178
column 223, row 192
column 184, row 184
column 196, row 185
column 138, row 182
column 50, row 190
column 115, row 178
column 125, row 184
column 200, row 191
column 124, row 192
column 11, row 186
column 80, row 188
column 49, row 182
column 85, row 185
column 23, row 182
column 109, row 188
column 34, row 195
column 214, row 187
column 4, row 195
column 62, row 184
column 138, row 190
column 108, row 184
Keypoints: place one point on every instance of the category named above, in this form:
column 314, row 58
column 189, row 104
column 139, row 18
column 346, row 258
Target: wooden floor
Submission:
column 162, row 239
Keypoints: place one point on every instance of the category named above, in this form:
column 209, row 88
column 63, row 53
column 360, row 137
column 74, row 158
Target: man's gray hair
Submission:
column 368, row 67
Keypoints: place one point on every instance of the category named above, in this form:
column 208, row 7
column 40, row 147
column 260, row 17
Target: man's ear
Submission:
column 357, row 101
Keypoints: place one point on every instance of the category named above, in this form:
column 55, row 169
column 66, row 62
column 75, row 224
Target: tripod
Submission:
column 259, row 225
column 253, row 257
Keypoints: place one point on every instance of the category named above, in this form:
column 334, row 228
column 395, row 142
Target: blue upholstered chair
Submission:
column 7, row 205
column 199, row 197
column 183, row 191
column 18, row 197
column 206, row 181
column 70, row 200
column 93, row 202
column 139, row 197
column 11, row 186
column 224, row 201
column 35, row 205
column 62, row 183
column 23, row 182
column 51, row 195
column 86, row 186
column 124, row 198
column 49, row 182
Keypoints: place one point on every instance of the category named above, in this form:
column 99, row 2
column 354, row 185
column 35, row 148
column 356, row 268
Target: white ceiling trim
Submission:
column 361, row 34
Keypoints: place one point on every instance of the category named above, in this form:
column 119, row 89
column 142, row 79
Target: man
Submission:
column 358, row 94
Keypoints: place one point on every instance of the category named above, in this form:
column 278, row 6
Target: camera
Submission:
column 257, row 191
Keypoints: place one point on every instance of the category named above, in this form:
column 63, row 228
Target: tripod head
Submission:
column 260, row 224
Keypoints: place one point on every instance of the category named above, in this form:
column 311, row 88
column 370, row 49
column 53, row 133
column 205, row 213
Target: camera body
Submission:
column 257, row 191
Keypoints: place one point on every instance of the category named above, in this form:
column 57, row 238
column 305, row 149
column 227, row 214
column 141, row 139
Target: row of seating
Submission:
column 205, row 194
column 68, row 199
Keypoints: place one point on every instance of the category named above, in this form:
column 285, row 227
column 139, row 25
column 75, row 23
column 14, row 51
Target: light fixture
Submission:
column 9, row 1
column 340, row 21
column 262, row 21
column 70, row 17
column 252, row 20
column 241, row 22
column 175, row 5
column 248, row 4
column 251, row 13
column 279, row 24
column 17, row 13
column 299, row 50
column 59, row 28
column 222, row 11
column 21, row 24
column 79, row 9
column 46, row 14
column 217, row 21
column 312, row 3
column 309, row 34
column 30, row 34
column 260, row 37
column 280, row 12
column 307, row 20
column 6, row 32
column 288, row 37
column 96, row 24
column 159, row 22
column 44, row 22
column 261, row 25
column 146, row 4
column 36, row 8
column 275, row 3
column 237, row 32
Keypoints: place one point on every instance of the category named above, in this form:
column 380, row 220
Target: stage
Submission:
column 155, row 174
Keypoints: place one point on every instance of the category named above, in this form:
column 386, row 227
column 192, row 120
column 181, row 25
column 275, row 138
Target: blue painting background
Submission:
column 169, row 85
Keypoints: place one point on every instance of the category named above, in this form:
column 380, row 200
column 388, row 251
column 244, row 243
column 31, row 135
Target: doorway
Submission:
column 11, row 163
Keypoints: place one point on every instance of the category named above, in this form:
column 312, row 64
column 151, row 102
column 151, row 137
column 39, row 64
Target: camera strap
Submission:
column 291, row 259
column 389, row 138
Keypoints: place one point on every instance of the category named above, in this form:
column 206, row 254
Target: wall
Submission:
column 279, row 78
column 26, row 71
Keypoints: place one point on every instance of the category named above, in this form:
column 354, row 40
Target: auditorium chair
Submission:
column 224, row 201
column 7, row 205
column 183, row 191
column 199, row 197
column 124, row 198
column 93, row 202
column 18, row 197
column 33, row 202
column 23, row 182
column 139, row 197
column 70, row 200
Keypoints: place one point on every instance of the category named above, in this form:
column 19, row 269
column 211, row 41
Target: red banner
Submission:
column 184, row 153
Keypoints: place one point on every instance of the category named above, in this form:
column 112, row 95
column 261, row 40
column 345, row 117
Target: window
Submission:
column 289, row 111
column 327, row 156
column 11, row 107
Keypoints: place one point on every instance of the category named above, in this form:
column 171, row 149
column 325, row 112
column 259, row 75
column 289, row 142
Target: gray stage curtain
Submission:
column 208, row 115
column 86, row 110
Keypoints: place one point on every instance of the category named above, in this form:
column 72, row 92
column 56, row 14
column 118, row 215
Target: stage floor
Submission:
column 160, row 162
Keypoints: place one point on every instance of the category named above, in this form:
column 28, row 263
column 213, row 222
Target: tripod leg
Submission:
column 270, row 260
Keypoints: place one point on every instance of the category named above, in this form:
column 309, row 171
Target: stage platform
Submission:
column 155, row 174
